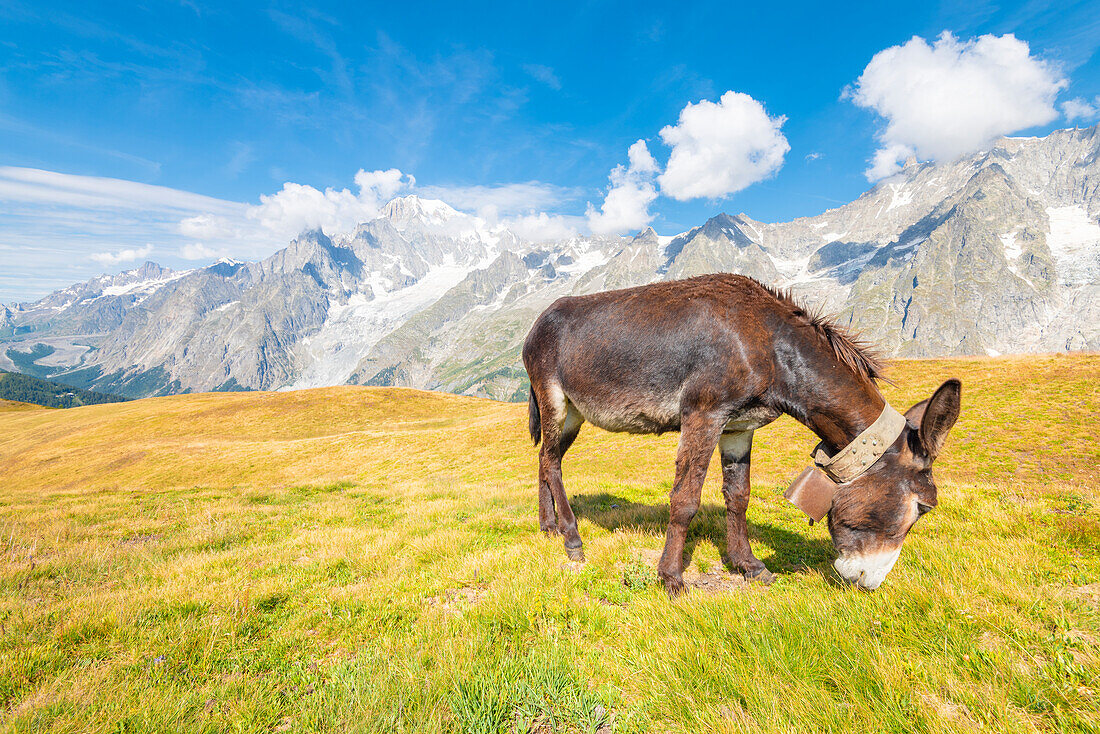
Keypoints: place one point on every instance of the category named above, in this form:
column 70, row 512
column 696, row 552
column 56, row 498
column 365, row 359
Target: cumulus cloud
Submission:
column 626, row 206
column 953, row 97
column 297, row 207
column 719, row 148
column 127, row 255
column 1081, row 109
column 384, row 185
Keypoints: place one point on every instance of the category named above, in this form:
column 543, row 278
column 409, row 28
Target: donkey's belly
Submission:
column 653, row 415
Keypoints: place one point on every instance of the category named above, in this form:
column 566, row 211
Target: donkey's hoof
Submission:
column 550, row 530
column 674, row 587
column 761, row 576
column 575, row 554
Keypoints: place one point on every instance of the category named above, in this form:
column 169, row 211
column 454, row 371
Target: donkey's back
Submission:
column 629, row 360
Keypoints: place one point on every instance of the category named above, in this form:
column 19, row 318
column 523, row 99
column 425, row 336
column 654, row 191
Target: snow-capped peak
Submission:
column 404, row 209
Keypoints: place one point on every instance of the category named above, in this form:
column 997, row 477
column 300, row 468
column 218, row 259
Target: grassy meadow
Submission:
column 367, row 559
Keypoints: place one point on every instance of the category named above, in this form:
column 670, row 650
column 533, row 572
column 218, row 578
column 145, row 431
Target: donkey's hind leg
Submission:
column 560, row 424
column 548, row 522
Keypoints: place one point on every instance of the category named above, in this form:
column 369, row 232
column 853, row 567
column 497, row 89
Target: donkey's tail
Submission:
column 534, row 421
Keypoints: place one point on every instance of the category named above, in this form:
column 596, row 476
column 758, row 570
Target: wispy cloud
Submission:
column 35, row 186
column 64, row 227
column 544, row 74
column 504, row 199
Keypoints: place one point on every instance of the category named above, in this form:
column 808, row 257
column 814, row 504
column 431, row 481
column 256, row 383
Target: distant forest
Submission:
column 28, row 389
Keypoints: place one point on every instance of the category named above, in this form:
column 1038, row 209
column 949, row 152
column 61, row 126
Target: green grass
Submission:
column 357, row 559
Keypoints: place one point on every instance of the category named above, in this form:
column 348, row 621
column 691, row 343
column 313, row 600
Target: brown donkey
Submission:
column 716, row 357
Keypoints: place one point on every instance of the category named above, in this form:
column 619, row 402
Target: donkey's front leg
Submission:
column 735, row 449
column 699, row 433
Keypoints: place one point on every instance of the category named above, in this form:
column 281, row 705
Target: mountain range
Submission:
column 995, row 253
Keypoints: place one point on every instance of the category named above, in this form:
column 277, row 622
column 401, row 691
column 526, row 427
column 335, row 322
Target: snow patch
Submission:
column 584, row 262
column 1012, row 250
column 757, row 232
column 142, row 286
column 901, row 196
column 353, row 327
column 1074, row 241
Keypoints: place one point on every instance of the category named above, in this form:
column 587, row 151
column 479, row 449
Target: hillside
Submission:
column 6, row 405
column 27, row 389
column 994, row 253
column 355, row 558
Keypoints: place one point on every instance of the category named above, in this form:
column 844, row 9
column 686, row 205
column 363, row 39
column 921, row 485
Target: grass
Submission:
column 362, row 559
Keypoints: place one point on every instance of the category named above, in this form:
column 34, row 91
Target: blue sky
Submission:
column 230, row 101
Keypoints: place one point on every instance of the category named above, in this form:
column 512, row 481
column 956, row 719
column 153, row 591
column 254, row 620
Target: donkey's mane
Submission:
column 849, row 348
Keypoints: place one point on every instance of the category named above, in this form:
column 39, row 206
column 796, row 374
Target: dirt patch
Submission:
column 456, row 601
column 715, row 581
column 948, row 710
column 1090, row 594
column 140, row 539
column 738, row 716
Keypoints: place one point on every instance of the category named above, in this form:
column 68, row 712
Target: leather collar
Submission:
column 864, row 450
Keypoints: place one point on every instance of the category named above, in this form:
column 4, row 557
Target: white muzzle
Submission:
column 867, row 570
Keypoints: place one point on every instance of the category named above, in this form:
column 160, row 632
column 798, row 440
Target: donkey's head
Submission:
column 871, row 515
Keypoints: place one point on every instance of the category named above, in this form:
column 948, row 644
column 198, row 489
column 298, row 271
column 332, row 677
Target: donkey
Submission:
column 715, row 357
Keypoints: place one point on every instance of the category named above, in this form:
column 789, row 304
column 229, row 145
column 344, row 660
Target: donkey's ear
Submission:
column 937, row 415
column 916, row 413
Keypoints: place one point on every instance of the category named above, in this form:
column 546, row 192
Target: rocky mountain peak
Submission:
column 724, row 226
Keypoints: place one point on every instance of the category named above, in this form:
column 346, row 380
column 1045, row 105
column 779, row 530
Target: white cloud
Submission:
column 297, row 207
column 542, row 227
column 504, row 199
column 117, row 257
column 953, row 97
column 626, row 206
column 67, row 228
column 34, row 186
column 1081, row 109
column 887, row 161
column 383, row 184
column 720, row 148
column 197, row 251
